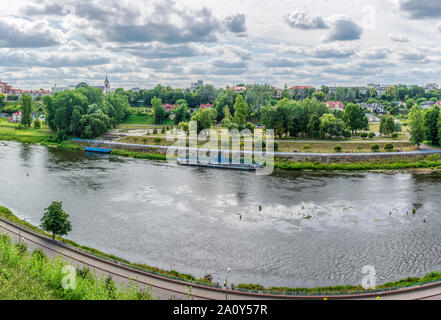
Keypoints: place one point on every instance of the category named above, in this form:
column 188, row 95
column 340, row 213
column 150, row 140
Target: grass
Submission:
column 411, row 281
column 401, row 164
column 32, row 276
column 8, row 131
column 143, row 120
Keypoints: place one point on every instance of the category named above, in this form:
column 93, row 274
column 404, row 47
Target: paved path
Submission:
column 290, row 154
column 164, row 288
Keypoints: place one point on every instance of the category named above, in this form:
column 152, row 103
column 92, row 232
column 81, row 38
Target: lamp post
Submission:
column 226, row 283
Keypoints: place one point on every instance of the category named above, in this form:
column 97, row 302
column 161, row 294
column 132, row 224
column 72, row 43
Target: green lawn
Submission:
column 143, row 120
column 8, row 131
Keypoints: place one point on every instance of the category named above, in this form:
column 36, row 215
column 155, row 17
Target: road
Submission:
column 164, row 288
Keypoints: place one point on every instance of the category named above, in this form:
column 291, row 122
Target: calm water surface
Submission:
column 312, row 229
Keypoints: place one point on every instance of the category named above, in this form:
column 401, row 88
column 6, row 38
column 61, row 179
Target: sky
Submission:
column 281, row 42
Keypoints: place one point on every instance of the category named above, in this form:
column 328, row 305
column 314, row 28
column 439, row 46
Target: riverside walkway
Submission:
column 166, row 288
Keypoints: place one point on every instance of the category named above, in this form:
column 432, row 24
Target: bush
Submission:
column 276, row 146
column 157, row 140
column 394, row 135
column 307, row 147
column 338, row 148
column 371, row 135
column 388, row 147
column 155, row 131
column 375, row 148
column 363, row 135
column 37, row 124
column 433, row 158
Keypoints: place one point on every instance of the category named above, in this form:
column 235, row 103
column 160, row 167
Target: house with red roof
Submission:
column 438, row 103
column 206, row 106
column 335, row 105
column 169, row 107
column 299, row 90
column 15, row 118
column 239, row 89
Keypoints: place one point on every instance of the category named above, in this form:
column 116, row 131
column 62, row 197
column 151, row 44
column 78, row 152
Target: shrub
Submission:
column 155, row 131
column 375, row 147
column 37, row 124
column 394, row 135
column 307, row 147
column 276, row 146
column 433, row 158
column 388, row 147
column 363, row 135
column 338, row 148
column 157, row 140
column 371, row 135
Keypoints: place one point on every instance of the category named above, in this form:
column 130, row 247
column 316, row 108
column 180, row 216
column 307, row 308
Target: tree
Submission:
column 416, row 119
column 240, row 111
column 2, row 100
column 56, row 220
column 26, row 110
column 158, row 110
column 387, row 125
column 355, row 117
column 205, row 118
column 37, row 124
column 431, row 117
column 181, row 114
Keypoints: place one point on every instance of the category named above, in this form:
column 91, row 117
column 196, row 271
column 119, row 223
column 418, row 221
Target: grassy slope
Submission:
column 8, row 132
column 16, row 284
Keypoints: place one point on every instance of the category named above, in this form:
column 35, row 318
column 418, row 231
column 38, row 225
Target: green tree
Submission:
column 416, row 119
column 2, row 100
column 387, row 125
column 431, row 117
column 158, row 110
column 37, row 124
column 182, row 114
column 26, row 110
column 55, row 220
column 240, row 111
column 205, row 118
column 355, row 117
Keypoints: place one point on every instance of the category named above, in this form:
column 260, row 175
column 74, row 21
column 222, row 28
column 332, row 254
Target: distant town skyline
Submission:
column 139, row 44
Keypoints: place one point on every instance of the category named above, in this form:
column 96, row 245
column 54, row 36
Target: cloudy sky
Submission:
column 293, row 42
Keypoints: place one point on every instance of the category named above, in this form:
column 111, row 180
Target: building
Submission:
column 277, row 93
column 427, row 104
column 15, row 118
column 438, row 103
column 56, row 89
column 196, row 85
column 106, row 85
column 7, row 89
column 169, row 107
column 381, row 89
column 430, row 86
column 206, row 106
column 34, row 93
column 375, row 107
column 335, row 105
column 301, row 90
column 239, row 89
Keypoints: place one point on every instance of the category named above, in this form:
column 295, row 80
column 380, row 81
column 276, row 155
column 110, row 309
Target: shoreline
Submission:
column 392, row 165
column 409, row 282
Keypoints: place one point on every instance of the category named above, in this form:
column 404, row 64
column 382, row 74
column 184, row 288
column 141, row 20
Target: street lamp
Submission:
column 226, row 283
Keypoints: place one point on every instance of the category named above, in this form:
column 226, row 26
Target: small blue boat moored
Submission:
column 97, row 150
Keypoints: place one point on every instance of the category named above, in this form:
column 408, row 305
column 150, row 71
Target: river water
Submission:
column 288, row 229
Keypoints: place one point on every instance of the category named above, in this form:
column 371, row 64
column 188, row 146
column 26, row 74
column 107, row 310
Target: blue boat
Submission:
column 97, row 150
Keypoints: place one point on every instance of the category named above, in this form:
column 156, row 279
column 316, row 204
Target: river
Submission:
column 289, row 229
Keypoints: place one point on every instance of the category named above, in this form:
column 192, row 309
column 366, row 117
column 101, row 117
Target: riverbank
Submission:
column 251, row 288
